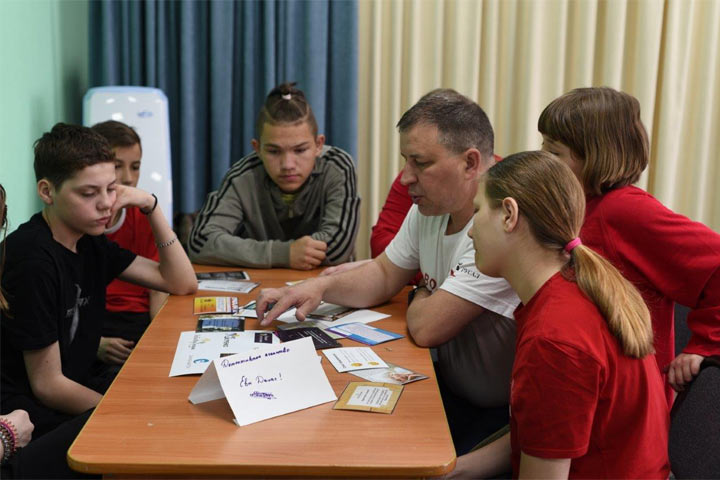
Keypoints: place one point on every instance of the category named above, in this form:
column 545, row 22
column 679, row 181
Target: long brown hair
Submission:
column 552, row 202
column 602, row 128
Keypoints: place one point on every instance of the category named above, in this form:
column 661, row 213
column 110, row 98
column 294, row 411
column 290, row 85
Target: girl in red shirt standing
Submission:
column 586, row 394
column 669, row 258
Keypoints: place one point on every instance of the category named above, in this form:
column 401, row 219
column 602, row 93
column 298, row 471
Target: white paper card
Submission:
column 367, row 396
column 196, row 350
column 359, row 316
column 348, row 359
column 237, row 286
column 266, row 382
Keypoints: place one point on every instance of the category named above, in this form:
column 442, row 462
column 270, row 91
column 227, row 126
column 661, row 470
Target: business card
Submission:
column 347, row 359
column 363, row 333
column 220, row 323
column 369, row 397
column 320, row 339
column 204, row 305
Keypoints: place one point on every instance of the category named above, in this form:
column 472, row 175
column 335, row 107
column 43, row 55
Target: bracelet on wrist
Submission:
column 148, row 212
column 8, row 436
column 168, row 243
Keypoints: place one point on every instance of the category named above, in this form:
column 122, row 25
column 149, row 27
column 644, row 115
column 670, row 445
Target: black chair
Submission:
column 694, row 444
column 682, row 332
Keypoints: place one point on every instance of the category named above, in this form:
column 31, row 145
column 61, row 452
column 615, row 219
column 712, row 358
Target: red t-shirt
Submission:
column 668, row 257
column 574, row 394
column 397, row 204
column 135, row 235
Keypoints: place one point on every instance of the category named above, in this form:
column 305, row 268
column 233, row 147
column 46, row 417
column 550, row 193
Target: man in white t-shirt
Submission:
column 447, row 142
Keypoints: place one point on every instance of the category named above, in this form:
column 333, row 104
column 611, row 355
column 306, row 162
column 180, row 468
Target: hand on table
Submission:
column 272, row 302
column 307, row 253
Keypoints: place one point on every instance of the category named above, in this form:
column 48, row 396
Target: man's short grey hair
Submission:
column 461, row 123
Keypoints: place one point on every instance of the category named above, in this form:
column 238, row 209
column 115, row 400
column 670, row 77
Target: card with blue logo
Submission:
column 196, row 350
column 363, row 333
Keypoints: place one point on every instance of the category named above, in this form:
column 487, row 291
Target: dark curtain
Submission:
column 216, row 61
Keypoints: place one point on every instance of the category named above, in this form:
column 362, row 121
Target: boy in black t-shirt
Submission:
column 58, row 265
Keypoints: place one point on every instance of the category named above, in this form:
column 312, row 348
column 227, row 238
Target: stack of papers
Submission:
column 225, row 282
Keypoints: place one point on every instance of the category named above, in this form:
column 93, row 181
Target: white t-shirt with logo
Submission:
column 475, row 364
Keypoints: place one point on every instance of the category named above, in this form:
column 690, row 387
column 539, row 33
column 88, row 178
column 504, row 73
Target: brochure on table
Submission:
column 236, row 286
column 363, row 333
column 231, row 281
column 358, row 316
column 196, row 350
column 266, row 382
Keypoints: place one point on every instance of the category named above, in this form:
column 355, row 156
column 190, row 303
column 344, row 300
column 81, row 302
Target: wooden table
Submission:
column 145, row 425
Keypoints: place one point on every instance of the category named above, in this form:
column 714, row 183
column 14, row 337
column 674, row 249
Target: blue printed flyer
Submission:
column 363, row 333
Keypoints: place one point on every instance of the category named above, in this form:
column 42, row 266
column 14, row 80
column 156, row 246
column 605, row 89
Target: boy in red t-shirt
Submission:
column 129, row 307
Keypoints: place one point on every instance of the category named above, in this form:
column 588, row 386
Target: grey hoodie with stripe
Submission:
column 246, row 222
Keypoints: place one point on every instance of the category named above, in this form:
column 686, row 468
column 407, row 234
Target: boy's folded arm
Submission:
column 51, row 387
column 174, row 273
column 223, row 248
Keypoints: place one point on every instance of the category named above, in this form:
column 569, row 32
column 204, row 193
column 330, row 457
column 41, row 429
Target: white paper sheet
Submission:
column 347, row 359
column 359, row 316
column 196, row 350
column 266, row 382
column 237, row 286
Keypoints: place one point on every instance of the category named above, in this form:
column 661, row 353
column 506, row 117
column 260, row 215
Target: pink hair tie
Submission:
column 572, row 244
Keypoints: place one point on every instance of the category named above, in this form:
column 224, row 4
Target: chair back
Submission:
column 694, row 443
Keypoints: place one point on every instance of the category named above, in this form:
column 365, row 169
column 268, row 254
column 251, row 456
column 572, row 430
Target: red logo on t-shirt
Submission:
column 430, row 283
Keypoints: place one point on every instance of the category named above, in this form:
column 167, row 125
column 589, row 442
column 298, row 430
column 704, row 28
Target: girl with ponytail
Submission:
column 586, row 394
column 669, row 258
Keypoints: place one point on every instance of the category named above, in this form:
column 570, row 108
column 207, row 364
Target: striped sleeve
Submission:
column 213, row 237
column 341, row 219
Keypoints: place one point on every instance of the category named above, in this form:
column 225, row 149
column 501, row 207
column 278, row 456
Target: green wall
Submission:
column 44, row 63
